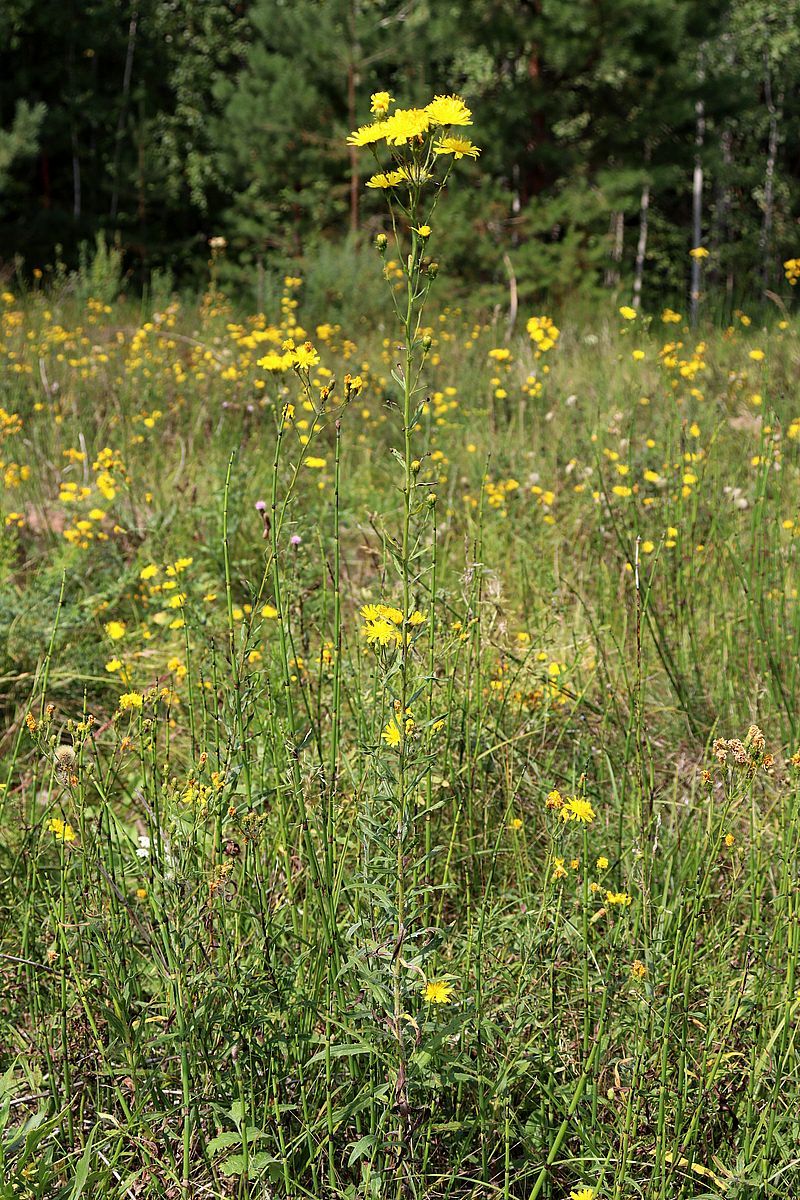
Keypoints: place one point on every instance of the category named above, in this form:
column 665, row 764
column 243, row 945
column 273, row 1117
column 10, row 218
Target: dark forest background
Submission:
column 616, row 135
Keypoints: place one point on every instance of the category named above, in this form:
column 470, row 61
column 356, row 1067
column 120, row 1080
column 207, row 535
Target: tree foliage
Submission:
column 161, row 123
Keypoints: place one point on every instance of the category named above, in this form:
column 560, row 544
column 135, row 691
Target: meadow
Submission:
column 400, row 754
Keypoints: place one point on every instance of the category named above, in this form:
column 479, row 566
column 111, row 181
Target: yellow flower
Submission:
column 105, row 483
column 131, row 700
column 578, row 809
column 148, row 572
column 516, row 823
column 638, row 969
column 459, row 147
column 438, row 991
column 114, row 664
column 306, row 356
column 380, row 102
column 391, row 734
column 699, row 252
column 584, row 1193
column 388, row 180
column 61, row 830
column 756, row 355
column 448, row 110
column 559, row 870
column 424, row 231
column 602, row 863
column 628, row 313
column 366, row 135
column 316, row 464
column 621, row 898
column 371, row 612
column 405, row 124
column 278, row 362
column 115, row 630
column 382, row 633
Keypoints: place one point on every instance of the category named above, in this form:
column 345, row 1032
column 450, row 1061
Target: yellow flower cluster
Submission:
column 425, row 130
column 383, row 624
column 574, row 808
column 301, row 358
column 62, row 831
column 543, row 333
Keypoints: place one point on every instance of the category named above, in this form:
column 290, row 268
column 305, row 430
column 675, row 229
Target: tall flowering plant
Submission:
column 415, row 150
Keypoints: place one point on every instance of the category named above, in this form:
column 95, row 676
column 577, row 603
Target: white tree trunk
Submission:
column 641, row 246
column 617, row 231
column 697, row 207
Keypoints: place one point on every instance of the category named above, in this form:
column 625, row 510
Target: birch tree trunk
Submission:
column 617, row 231
column 641, row 246
column 697, row 207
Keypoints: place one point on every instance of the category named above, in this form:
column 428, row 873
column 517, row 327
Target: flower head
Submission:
column 405, row 124
column 306, row 356
column 380, row 103
column 578, row 809
column 61, row 830
column 381, row 632
column 438, row 991
column 448, row 110
column 384, row 180
column 66, row 761
column 459, row 147
column 392, row 734
column 367, row 135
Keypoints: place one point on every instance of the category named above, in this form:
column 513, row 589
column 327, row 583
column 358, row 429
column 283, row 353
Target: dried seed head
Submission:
column 755, row 739
column 66, row 760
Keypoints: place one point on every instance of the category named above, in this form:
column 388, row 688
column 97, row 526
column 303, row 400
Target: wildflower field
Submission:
column 400, row 751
